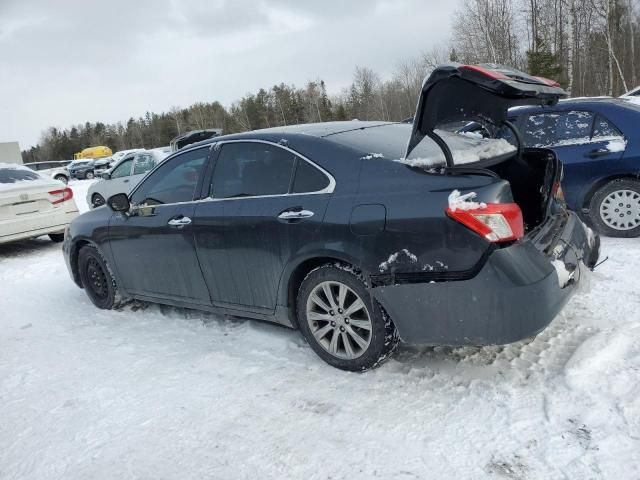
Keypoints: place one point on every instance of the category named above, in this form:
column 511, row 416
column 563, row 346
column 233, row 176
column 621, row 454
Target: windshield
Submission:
column 13, row 175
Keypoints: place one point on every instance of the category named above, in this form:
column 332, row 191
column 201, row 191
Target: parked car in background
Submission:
column 116, row 157
column 193, row 136
column 102, row 165
column 81, row 169
column 357, row 233
column 32, row 205
column 56, row 170
column 632, row 93
column 123, row 176
column 598, row 142
column 93, row 152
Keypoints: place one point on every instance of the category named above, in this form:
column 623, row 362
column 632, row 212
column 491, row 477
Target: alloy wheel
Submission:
column 339, row 320
column 620, row 210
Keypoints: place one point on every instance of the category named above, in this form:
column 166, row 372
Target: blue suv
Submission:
column 598, row 141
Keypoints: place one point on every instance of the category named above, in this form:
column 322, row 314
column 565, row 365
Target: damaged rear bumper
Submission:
column 515, row 295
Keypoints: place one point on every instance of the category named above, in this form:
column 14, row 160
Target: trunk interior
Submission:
column 532, row 177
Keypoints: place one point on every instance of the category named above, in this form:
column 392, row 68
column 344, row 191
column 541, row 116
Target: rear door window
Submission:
column 250, row 169
column 144, row 163
column 556, row 129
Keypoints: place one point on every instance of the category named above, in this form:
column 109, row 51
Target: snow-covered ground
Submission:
column 160, row 392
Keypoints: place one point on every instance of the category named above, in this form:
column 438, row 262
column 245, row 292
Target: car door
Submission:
column 581, row 139
column 153, row 246
column 266, row 204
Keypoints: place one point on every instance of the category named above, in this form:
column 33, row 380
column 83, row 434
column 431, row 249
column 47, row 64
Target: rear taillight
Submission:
column 494, row 74
column 497, row 222
column 557, row 192
column 548, row 81
column 61, row 195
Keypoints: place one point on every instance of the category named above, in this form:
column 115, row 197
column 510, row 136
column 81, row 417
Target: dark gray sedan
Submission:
column 343, row 231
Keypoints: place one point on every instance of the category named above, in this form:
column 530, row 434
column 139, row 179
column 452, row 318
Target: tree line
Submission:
column 589, row 46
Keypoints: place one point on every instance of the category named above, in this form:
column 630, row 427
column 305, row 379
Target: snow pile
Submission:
column 372, row 155
column 617, row 145
column 457, row 201
column 393, row 258
column 634, row 99
column 464, row 148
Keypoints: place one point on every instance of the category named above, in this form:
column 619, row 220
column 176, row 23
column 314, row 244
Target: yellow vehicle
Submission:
column 93, row 152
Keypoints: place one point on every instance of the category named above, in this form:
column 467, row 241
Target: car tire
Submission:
column 61, row 178
column 97, row 200
column 614, row 209
column 331, row 329
column 56, row 237
column 97, row 279
column 89, row 175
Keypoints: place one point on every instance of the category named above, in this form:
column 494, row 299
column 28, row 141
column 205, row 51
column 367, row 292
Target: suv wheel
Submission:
column 89, row 175
column 61, row 178
column 343, row 324
column 615, row 209
column 97, row 279
column 56, row 237
column 97, row 200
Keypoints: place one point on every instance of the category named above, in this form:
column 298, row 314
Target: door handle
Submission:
column 296, row 214
column 598, row 153
column 126, row 181
column 179, row 222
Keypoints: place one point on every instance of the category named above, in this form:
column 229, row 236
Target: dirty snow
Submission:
column 168, row 393
column 393, row 258
column 457, row 201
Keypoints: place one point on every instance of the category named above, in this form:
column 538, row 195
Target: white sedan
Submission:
column 123, row 176
column 32, row 205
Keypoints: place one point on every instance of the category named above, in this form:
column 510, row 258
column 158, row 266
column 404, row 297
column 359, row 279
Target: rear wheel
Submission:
column 89, row 175
column 342, row 323
column 56, row 237
column 97, row 200
column 615, row 209
column 61, row 178
column 97, row 279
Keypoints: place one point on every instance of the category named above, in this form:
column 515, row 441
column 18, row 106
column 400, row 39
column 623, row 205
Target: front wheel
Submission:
column 89, row 175
column 345, row 326
column 61, row 178
column 97, row 200
column 97, row 279
column 56, row 237
column 615, row 209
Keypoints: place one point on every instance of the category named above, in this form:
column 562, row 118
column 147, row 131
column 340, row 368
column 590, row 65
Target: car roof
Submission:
column 318, row 130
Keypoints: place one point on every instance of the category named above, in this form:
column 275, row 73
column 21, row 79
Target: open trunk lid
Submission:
column 482, row 93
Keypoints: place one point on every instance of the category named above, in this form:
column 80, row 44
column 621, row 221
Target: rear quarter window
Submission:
column 308, row 178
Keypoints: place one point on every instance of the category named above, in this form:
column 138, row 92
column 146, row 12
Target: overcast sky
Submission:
column 64, row 62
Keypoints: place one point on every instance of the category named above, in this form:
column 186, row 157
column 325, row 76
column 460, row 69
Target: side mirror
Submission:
column 119, row 202
column 106, row 176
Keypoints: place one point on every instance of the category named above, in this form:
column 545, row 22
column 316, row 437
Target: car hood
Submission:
column 481, row 93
